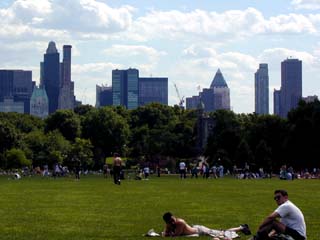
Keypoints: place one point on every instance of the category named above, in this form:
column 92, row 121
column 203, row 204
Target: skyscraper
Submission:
column 276, row 102
column 291, row 85
column 153, row 89
column 214, row 98
column 261, row 86
column 66, row 91
column 51, row 76
column 207, row 97
column 125, row 88
column 221, row 92
column 132, row 88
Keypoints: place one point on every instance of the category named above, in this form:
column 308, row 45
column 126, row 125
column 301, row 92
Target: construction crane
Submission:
column 181, row 99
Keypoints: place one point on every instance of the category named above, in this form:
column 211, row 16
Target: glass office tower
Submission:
column 51, row 76
column 153, row 89
column 291, row 85
column 125, row 88
column 261, row 87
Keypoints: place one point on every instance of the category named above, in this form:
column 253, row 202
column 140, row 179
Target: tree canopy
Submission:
column 156, row 132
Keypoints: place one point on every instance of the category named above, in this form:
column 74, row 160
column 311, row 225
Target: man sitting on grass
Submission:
column 291, row 220
column 178, row 227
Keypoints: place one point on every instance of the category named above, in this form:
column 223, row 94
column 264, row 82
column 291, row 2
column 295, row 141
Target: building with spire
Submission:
column 213, row 98
column 221, row 92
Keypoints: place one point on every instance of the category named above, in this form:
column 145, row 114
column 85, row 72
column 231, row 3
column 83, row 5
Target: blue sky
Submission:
column 184, row 40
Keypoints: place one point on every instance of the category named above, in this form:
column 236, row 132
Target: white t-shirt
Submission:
column 292, row 217
column 182, row 166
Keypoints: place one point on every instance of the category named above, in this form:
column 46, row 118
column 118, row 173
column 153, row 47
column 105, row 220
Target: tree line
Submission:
column 160, row 134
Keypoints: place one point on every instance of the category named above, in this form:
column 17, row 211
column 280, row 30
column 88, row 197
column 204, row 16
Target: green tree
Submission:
column 107, row 131
column 23, row 123
column 159, row 131
column 271, row 129
column 83, row 109
column 226, row 134
column 263, row 156
column 47, row 149
column 243, row 154
column 302, row 142
column 35, row 142
column 9, row 137
column 82, row 151
column 66, row 121
column 16, row 159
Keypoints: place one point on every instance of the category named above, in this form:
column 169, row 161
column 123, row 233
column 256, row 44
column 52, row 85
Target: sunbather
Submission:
column 178, row 227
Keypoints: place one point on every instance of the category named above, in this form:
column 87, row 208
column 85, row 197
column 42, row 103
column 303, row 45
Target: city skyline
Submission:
column 186, row 42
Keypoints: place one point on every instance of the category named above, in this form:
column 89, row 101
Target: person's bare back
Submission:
column 183, row 228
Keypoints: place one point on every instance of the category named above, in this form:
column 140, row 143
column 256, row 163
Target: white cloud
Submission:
column 79, row 69
column 291, row 23
column 218, row 27
column 199, row 23
column 71, row 15
column 134, row 50
column 306, row 4
column 279, row 54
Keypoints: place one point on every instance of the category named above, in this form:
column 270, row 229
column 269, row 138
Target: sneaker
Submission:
column 245, row 229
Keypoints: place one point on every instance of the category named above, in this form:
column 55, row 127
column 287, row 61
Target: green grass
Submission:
column 95, row 208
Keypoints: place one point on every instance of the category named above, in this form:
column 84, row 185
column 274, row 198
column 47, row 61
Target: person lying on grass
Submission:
column 178, row 227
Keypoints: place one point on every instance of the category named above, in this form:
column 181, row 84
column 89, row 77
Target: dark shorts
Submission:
column 293, row 233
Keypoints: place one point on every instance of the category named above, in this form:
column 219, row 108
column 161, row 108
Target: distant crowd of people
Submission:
column 199, row 169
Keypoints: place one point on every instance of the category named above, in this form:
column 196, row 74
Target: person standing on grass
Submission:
column 117, row 163
column 182, row 169
column 77, row 168
column 291, row 220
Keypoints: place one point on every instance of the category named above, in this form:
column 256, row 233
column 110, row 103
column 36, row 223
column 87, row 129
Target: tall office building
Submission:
column 51, row 76
column 276, row 102
column 153, row 89
column 103, row 96
column 221, row 92
column 15, row 90
column 125, row 88
column 66, row 91
column 291, row 85
column 261, row 87
column 207, row 97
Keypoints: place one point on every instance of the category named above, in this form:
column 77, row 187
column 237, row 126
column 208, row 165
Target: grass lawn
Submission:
column 95, row 208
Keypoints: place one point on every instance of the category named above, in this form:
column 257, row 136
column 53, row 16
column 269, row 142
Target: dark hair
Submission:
column 167, row 216
column 282, row 192
column 116, row 155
